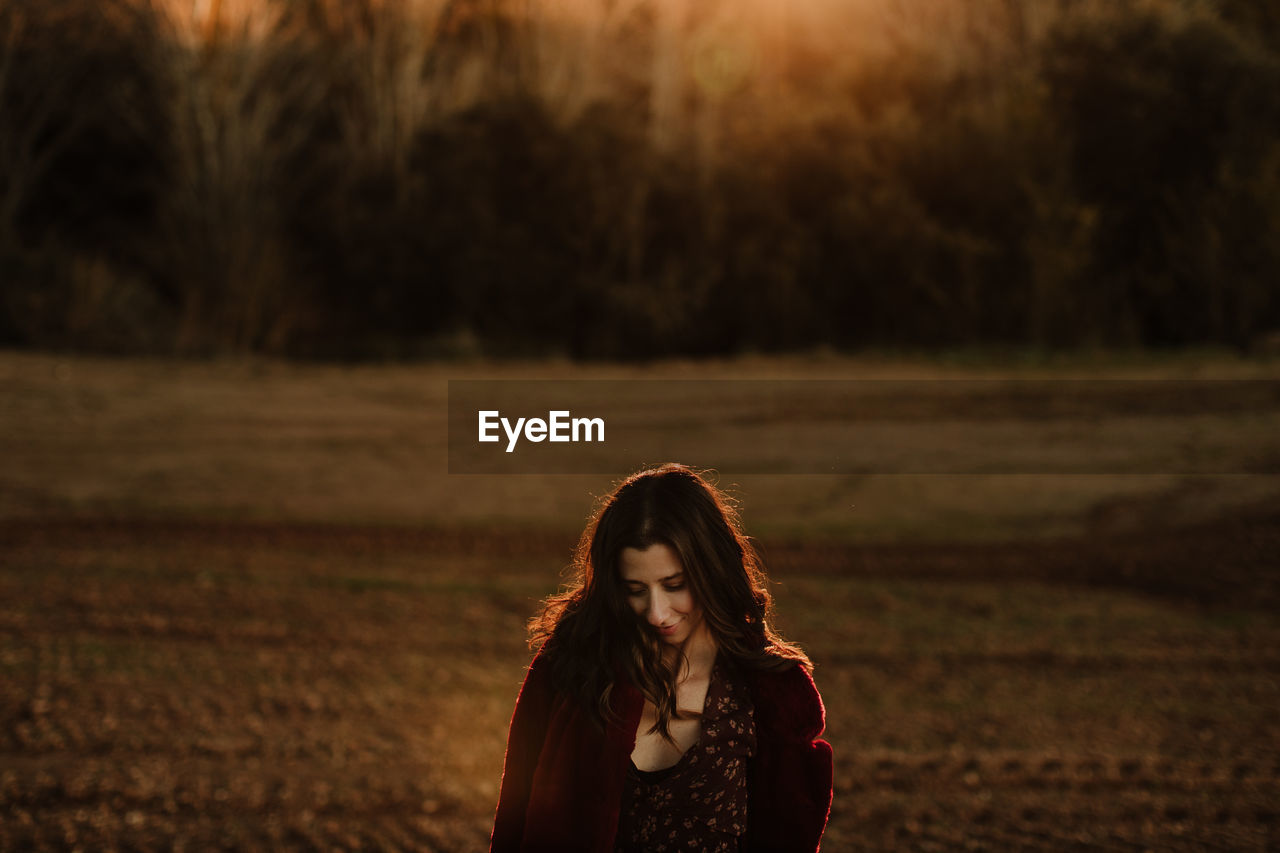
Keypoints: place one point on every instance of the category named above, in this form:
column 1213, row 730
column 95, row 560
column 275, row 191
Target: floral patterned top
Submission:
column 700, row 802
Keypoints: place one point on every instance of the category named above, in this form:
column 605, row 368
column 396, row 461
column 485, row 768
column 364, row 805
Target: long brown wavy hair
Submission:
column 592, row 634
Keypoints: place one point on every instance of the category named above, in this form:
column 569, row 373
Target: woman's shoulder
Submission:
column 785, row 678
column 552, row 657
column 788, row 699
column 557, row 671
column 540, row 673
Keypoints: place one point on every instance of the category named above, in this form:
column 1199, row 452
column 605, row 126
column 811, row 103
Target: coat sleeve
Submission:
column 792, row 772
column 524, row 743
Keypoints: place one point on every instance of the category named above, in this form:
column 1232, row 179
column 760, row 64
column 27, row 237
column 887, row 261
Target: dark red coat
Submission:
column 562, row 780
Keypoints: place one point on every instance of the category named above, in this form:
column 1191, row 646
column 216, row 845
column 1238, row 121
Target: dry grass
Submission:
column 266, row 440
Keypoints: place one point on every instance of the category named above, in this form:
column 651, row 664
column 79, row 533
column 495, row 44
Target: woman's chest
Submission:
column 653, row 751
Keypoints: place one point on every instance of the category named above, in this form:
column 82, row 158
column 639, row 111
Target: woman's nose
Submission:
column 658, row 610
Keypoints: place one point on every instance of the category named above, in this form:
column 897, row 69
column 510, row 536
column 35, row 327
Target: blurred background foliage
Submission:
column 636, row 178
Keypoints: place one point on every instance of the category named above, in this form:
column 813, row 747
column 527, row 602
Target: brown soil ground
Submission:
column 187, row 685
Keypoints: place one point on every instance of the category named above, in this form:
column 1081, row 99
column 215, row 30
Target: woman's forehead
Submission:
column 655, row 563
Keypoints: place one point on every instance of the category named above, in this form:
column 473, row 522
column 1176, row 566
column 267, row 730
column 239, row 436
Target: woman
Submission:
column 662, row 712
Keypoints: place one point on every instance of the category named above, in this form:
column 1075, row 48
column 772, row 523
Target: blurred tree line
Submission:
column 635, row 178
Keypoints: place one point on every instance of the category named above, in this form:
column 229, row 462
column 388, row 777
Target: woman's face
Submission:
column 659, row 592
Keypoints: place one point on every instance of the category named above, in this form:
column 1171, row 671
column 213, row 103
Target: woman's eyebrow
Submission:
column 667, row 579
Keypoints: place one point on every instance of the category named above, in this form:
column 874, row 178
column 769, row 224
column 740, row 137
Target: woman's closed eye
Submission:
column 669, row 587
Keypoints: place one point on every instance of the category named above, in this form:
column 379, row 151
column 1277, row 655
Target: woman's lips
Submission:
column 668, row 630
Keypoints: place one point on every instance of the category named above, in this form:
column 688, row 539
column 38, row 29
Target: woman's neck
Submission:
column 699, row 654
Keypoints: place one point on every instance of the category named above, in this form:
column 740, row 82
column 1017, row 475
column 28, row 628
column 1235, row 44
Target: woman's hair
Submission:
column 592, row 632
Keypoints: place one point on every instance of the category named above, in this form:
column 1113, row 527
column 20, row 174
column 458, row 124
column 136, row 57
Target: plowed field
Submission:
column 188, row 685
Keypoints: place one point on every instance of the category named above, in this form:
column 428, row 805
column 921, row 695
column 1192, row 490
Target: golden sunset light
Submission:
column 508, row 425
